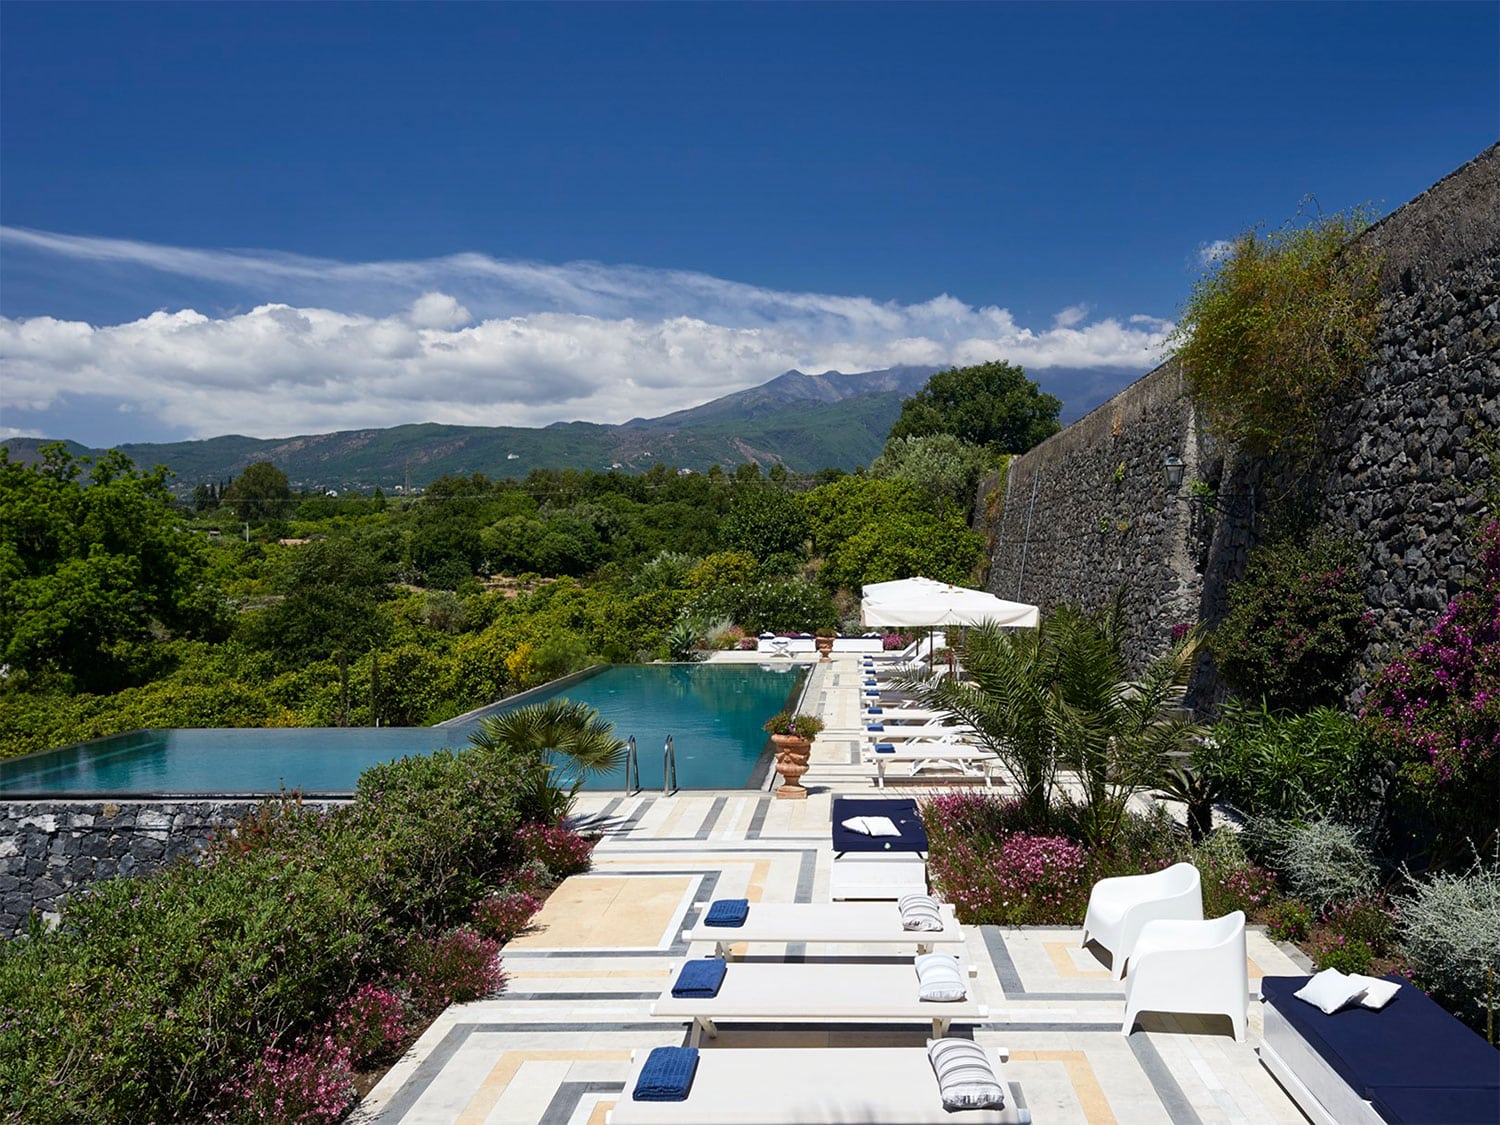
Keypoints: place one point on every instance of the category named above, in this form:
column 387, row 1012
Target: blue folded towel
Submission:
column 700, row 979
column 667, row 1075
column 885, row 748
column 874, row 726
column 874, row 710
column 872, row 691
column 727, row 912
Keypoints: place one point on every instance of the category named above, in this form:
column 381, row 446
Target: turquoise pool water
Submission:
column 713, row 713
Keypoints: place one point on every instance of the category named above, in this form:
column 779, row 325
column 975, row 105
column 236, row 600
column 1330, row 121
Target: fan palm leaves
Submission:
column 1059, row 698
column 1005, row 700
column 558, row 743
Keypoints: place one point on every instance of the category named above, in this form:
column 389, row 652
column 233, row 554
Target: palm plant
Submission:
column 538, row 736
column 1059, row 697
column 1116, row 735
column 1006, row 699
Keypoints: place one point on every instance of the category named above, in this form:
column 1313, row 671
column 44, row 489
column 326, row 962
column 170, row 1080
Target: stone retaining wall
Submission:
column 48, row 849
column 1088, row 512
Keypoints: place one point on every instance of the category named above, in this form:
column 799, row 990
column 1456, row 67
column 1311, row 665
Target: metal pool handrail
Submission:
column 668, row 767
column 632, row 767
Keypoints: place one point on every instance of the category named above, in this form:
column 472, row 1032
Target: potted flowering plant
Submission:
column 788, row 724
column 823, row 639
column 792, row 735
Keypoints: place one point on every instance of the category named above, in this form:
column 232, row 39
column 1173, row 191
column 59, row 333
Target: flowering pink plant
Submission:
column 1438, row 706
column 372, row 1024
column 505, row 914
column 452, row 968
column 310, row 1083
column 561, row 850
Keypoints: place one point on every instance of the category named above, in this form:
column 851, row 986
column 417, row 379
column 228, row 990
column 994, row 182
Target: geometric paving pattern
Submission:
column 554, row 1047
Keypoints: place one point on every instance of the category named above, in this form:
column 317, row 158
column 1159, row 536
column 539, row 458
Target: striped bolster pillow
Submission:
column 920, row 912
column 966, row 1080
column 939, row 979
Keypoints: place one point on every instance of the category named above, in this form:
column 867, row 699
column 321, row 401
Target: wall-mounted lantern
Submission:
column 1173, row 467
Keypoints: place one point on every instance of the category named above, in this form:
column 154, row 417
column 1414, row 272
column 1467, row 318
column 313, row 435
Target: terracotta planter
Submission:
column 792, row 754
column 825, row 646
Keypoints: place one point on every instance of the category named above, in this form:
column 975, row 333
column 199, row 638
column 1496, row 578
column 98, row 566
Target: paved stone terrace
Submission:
column 554, row 1047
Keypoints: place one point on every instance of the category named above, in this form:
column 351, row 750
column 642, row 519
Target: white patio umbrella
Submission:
column 925, row 603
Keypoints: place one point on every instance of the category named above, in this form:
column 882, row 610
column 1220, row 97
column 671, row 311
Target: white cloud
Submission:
column 1073, row 314
column 1211, row 253
column 351, row 345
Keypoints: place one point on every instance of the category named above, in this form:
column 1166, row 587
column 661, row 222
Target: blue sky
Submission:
column 288, row 218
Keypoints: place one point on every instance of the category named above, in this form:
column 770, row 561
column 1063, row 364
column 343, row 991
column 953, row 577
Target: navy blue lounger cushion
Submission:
column 727, row 912
column 1411, row 1044
column 902, row 813
column 1442, row 1105
column 667, row 1075
column 885, row 748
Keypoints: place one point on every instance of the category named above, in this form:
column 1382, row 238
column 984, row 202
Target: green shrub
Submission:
column 1289, row 920
column 1319, row 763
column 435, row 832
column 1231, row 880
column 159, row 990
column 1276, row 330
column 1297, row 622
column 1339, row 952
column 1327, row 863
column 1450, row 933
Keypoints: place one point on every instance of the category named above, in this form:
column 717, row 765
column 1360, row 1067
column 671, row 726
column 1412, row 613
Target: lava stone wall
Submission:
column 50, row 848
column 1087, row 512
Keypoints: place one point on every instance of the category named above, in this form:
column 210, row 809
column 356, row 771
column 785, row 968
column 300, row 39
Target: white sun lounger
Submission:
column 873, row 923
column 827, row 992
column 965, row 757
column 900, row 732
column 814, row 1086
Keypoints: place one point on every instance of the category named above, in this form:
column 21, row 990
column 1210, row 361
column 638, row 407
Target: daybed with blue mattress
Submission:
column 1410, row 1063
column 878, row 867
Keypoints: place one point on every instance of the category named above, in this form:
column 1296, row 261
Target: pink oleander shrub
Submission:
column 373, row 1024
column 505, row 914
column 1437, row 707
column 894, row 642
column 749, row 644
column 309, row 1083
column 451, row 968
column 561, row 850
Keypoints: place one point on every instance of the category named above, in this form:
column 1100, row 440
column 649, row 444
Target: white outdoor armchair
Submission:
column 1119, row 907
column 1190, row 967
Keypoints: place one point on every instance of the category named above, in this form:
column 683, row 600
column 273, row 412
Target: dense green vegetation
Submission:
column 249, row 987
column 1277, row 329
column 122, row 608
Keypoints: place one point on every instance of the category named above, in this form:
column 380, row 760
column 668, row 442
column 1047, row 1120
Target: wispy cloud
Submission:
column 479, row 340
column 1211, row 253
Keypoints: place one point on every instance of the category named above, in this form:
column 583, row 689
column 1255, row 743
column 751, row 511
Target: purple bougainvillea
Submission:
column 1438, row 705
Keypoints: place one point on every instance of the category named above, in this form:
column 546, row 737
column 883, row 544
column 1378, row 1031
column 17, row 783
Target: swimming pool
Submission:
column 713, row 713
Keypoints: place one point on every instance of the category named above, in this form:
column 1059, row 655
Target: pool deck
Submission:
column 554, row 1047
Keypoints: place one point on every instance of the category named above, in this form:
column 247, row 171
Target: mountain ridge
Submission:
column 807, row 422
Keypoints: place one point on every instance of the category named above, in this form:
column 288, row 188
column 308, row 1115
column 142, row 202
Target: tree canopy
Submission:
column 259, row 494
column 989, row 404
column 89, row 570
